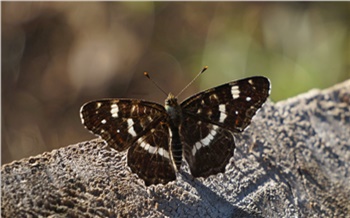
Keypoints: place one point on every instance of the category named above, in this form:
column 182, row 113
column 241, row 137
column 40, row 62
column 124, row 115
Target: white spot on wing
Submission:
column 141, row 143
column 130, row 127
column 235, row 92
column 133, row 108
column 251, row 82
column 194, row 150
column 98, row 105
column 114, row 110
column 248, row 98
column 208, row 138
column 214, row 96
column 146, row 146
column 103, row 121
column 170, row 134
column 152, row 150
column 82, row 119
column 163, row 153
column 166, row 154
column 222, row 109
column 205, row 141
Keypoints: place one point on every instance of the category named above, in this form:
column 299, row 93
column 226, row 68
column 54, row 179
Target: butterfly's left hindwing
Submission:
column 207, row 147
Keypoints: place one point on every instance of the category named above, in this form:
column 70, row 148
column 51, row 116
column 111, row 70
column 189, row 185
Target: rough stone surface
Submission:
column 293, row 161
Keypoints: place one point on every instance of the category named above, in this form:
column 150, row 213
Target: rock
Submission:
column 293, row 161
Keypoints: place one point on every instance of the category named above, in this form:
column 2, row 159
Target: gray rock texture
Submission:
column 293, row 161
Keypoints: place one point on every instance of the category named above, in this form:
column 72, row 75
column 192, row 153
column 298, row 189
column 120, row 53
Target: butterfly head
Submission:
column 173, row 108
column 171, row 101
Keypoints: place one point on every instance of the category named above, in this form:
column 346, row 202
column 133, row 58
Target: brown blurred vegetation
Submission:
column 58, row 55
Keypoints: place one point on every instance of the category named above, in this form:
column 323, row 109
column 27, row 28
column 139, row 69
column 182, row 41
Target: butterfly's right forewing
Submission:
column 120, row 122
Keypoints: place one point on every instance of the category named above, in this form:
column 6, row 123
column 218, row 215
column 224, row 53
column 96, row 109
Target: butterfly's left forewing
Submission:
column 231, row 105
column 210, row 117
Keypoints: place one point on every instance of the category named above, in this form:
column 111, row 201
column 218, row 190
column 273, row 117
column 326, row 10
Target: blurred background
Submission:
column 58, row 55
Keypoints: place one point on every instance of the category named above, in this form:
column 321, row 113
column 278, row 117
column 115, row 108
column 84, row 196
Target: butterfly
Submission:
column 199, row 130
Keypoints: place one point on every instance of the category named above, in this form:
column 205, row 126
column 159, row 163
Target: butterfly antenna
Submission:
column 147, row 75
column 190, row 83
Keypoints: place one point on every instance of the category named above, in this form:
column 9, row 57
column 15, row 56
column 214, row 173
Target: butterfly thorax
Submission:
column 173, row 109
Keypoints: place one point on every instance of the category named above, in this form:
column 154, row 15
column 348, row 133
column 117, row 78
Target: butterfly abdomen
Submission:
column 176, row 147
